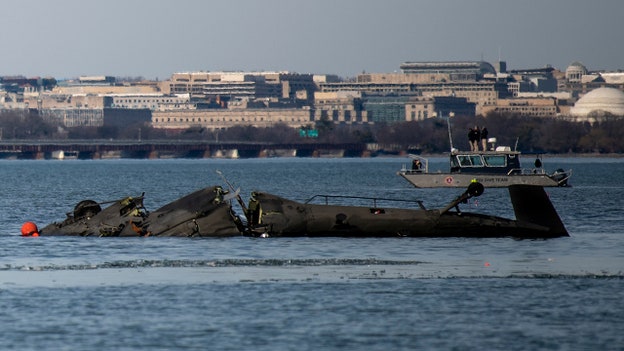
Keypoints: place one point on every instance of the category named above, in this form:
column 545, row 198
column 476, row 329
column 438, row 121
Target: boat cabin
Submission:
column 489, row 162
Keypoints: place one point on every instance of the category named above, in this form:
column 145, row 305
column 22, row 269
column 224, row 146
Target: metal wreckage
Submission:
column 209, row 213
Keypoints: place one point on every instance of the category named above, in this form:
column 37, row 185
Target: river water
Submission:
column 68, row 293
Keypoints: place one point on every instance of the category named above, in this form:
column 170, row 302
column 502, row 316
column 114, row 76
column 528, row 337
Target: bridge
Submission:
column 98, row 149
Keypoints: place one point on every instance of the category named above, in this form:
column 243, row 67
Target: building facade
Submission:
column 340, row 107
column 530, row 107
column 73, row 117
column 240, row 85
column 226, row 118
column 427, row 107
column 470, row 80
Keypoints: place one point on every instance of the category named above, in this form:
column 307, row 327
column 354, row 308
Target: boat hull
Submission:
column 462, row 180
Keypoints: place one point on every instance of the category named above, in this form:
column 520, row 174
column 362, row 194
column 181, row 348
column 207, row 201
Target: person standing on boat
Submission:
column 473, row 137
column 416, row 165
column 484, row 136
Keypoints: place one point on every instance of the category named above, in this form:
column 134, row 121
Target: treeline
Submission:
column 530, row 134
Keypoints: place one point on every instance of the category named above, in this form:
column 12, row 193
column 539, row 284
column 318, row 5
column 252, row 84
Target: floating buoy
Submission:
column 30, row 229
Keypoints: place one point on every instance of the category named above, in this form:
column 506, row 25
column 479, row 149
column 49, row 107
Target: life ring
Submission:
column 448, row 180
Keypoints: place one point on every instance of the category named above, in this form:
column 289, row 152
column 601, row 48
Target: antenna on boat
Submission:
column 516, row 144
column 448, row 127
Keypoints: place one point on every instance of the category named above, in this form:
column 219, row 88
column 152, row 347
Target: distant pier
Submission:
column 97, row 149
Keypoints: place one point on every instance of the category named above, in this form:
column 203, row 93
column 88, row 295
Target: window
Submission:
column 464, row 160
column 470, row 160
column 476, row 160
column 495, row 160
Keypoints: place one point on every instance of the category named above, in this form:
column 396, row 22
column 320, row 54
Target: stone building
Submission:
column 527, row 106
column 240, row 85
column 340, row 107
column 226, row 118
column 391, row 91
column 575, row 72
column 532, row 80
column 580, row 81
column 144, row 101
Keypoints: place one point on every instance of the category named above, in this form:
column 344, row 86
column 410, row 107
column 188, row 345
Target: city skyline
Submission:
column 72, row 38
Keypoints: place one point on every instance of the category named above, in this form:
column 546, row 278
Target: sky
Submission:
column 153, row 39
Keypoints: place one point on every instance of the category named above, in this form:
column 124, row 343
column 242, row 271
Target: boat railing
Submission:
column 526, row 171
column 424, row 165
column 375, row 200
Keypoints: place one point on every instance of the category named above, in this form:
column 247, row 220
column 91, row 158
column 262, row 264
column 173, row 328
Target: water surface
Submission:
column 302, row 293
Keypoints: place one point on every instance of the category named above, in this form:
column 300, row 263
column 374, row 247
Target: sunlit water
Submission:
column 302, row 293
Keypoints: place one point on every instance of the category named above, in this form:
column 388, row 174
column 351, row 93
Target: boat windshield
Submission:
column 470, row 160
column 495, row 160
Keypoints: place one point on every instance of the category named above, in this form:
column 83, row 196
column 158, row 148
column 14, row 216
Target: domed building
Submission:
column 599, row 104
column 575, row 72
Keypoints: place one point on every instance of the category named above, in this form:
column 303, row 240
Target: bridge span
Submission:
column 98, row 149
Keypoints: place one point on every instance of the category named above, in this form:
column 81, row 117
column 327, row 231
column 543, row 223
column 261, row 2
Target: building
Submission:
column 386, row 108
column 470, row 79
column 528, row 106
column 427, row 107
column 580, row 81
column 575, row 72
column 145, row 101
column 598, row 105
column 230, row 117
column 340, row 107
column 533, row 80
column 452, row 71
column 96, row 80
column 150, row 101
column 73, row 117
column 240, row 85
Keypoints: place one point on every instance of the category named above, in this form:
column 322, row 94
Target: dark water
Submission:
column 300, row 293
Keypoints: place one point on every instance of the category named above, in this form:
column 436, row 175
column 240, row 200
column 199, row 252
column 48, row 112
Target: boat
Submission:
column 494, row 168
column 270, row 215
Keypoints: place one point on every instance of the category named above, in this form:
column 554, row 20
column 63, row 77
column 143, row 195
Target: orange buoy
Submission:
column 30, row 229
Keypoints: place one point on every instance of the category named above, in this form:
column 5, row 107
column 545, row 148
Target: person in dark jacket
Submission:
column 484, row 137
column 473, row 137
